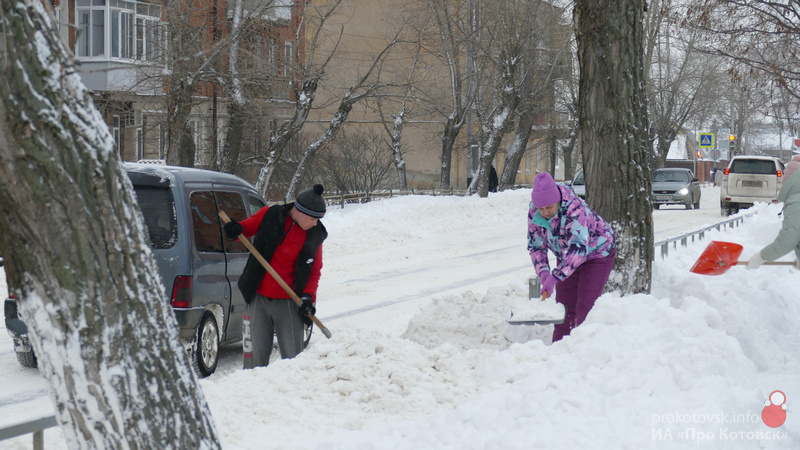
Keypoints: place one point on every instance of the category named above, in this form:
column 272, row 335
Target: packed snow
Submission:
column 417, row 292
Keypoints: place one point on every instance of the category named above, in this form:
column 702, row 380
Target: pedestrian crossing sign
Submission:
column 706, row 140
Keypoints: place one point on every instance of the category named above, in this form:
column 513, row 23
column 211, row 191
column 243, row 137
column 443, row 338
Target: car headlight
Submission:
column 683, row 191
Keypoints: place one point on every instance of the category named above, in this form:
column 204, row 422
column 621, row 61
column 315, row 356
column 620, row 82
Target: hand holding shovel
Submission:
column 275, row 275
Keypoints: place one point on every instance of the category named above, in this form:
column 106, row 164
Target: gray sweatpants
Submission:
column 267, row 317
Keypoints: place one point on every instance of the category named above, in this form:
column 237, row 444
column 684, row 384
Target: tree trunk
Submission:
column 77, row 257
column 233, row 140
column 277, row 144
column 613, row 117
column 514, row 156
column 178, row 132
column 397, row 147
column 494, row 136
column 452, row 127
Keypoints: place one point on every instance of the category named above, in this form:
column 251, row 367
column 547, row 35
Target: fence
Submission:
column 683, row 239
column 343, row 198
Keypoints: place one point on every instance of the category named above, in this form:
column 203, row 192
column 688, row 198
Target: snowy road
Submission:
column 353, row 289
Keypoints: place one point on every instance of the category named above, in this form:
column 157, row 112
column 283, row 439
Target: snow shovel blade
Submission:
column 717, row 258
column 555, row 320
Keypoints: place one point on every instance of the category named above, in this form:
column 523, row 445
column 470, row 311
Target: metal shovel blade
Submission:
column 717, row 258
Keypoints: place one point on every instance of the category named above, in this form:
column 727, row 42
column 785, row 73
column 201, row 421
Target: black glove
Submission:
column 233, row 229
column 307, row 305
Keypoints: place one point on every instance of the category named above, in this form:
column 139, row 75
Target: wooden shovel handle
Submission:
column 773, row 263
column 275, row 275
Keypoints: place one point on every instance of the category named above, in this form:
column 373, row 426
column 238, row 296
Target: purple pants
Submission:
column 579, row 292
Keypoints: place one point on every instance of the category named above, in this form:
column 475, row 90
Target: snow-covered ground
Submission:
column 417, row 291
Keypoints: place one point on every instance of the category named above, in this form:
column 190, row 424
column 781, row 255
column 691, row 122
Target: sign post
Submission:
column 705, row 141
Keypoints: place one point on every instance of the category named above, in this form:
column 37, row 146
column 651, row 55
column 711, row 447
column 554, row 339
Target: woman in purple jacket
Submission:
column 582, row 242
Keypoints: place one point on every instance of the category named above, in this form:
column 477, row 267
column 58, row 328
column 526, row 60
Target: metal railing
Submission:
column 685, row 238
column 343, row 198
column 35, row 426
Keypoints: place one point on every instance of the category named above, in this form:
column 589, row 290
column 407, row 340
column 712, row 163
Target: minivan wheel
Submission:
column 206, row 352
column 27, row 359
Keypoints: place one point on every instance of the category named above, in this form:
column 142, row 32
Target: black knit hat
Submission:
column 311, row 203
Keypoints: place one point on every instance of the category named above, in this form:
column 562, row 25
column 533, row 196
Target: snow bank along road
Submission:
column 380, row 279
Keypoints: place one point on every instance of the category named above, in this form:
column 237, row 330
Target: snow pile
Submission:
column 688, row 366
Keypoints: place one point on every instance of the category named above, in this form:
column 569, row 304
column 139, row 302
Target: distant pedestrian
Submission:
column 582, row 242
column 290, row 238
column 493, row 180
column 788, row 238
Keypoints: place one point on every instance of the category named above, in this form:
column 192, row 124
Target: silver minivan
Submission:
column 749, row 179
column 199, row 265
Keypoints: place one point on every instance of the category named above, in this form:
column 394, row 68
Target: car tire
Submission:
column 688, row 205
column 656, row 206
column 27, row 359
column 206, row 348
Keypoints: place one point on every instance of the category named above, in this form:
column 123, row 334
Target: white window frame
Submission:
column 118, row 29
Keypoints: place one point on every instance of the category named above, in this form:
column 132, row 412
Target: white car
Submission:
column 749, row 179
column 578, row 185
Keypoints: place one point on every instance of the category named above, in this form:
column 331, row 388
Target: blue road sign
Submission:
column 706, row 140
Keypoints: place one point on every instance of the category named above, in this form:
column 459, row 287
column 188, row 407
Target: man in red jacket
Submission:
column 290, row 237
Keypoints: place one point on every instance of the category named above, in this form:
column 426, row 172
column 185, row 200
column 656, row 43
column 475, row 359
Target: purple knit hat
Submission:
column 545, row 191
column 790, row 168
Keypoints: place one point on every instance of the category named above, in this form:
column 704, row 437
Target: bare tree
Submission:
column 310, row 72
column 757, row 35
column 613, row 117
column 363, row 88
column 677, row 76
column 454, row 26
column 356, row 162
column 395, row 132
column 516, row 31
column 87, row 284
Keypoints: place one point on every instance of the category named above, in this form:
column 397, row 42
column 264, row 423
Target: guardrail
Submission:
column 35, row 426
column 683, row 239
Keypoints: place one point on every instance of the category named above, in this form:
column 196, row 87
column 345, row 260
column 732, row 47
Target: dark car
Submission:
column 199, row 266
column 675, row 186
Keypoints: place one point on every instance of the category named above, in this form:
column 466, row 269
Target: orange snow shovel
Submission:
column 720, row 256
column 275, row 275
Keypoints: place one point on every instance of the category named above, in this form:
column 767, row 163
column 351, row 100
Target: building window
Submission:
column 91, row 27
column 134, row 30
column 139, row 144
column 115, row 126
column 288, row 56
column 273, row 47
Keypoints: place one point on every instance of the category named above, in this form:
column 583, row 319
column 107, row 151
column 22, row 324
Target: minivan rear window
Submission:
column 754, row 166
column 158, row 209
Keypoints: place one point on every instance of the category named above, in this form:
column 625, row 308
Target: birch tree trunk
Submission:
column 613, row 115
column 77, row 257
